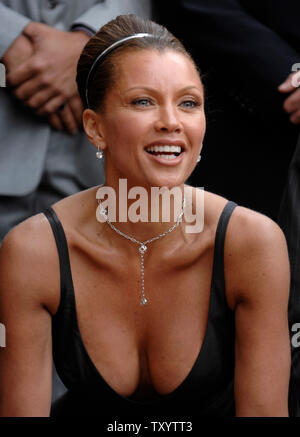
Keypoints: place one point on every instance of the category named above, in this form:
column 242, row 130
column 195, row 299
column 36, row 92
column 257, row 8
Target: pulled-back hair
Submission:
column 105, row 73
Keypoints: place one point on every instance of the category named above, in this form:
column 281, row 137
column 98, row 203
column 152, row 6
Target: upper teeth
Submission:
column 165, row 148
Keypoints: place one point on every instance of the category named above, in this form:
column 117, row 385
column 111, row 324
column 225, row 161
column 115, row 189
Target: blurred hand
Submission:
column 20, row 50
column 292, row 103
column 69, row 118
column 46, row 80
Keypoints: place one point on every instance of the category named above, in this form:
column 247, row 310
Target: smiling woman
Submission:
column 148, row 111
column 211, row 338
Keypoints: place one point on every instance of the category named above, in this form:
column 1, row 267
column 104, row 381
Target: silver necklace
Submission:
column 143, row 244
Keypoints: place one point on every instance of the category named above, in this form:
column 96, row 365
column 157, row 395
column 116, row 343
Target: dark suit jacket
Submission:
column 245, row 49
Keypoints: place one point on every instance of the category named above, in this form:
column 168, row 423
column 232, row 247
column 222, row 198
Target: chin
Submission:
column 159, row 180
column 168, row 183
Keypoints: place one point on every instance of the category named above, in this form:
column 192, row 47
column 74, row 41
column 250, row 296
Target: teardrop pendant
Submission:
column 144, row 301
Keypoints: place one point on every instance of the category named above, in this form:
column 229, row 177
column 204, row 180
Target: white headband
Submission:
column 105, row 53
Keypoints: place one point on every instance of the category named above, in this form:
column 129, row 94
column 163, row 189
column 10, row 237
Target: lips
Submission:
column 166, row 151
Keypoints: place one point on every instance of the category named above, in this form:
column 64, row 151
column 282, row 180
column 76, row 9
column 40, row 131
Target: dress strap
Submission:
column 66, row 282
column 218, row 267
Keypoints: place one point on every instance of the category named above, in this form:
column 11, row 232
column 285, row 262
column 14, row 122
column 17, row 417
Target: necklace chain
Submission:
column 143, row 244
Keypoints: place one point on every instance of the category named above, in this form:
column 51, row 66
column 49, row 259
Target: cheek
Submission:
column 117, row 131
column 125, row 130
column 197, row 130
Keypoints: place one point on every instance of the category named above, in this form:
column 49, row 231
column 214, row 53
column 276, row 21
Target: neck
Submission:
column 139, row 212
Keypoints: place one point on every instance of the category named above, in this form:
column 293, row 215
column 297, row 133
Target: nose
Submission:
column 168, row 120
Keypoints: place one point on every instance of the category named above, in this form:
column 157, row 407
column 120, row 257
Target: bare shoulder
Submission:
column 77, row 208
column 249, row 230
column 256, row 257
column 29, row 258
column 246, row 229
column 29, row 264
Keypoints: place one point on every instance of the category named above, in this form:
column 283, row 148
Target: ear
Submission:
column 93, row 128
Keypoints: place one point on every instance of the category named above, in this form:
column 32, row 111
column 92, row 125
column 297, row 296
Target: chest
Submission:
column 142, row 349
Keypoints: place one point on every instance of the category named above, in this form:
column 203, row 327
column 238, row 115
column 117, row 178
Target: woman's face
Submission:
column 153, row 121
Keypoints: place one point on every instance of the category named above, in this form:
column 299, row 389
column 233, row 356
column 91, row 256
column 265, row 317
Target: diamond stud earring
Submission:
column 100, row 153
column 199, row 158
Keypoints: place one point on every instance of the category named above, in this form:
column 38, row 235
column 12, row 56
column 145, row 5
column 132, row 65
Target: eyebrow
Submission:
column 187, row 88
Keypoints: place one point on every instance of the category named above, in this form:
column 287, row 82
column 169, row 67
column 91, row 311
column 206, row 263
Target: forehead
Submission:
column 151, row 67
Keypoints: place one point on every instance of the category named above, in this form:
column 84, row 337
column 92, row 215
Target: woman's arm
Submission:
column 258, row 276
column 26, row 361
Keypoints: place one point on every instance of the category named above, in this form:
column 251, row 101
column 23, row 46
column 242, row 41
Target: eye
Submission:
column 141, row 102
column 190, row 104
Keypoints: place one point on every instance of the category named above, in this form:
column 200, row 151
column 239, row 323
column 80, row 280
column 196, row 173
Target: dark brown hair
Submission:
column 105, row 73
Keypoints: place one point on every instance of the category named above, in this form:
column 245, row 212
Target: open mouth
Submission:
column 165, row 152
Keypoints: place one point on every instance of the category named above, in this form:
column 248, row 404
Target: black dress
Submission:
column 207, row 389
